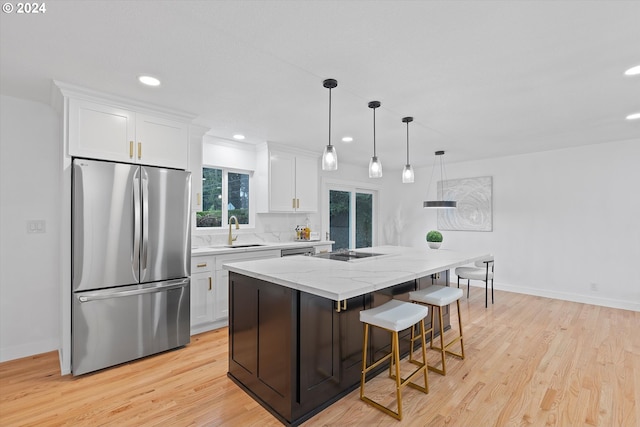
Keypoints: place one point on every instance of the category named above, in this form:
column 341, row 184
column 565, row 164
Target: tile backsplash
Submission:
column 270, row 228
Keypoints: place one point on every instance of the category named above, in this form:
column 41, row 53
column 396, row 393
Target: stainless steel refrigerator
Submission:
column 131, row 249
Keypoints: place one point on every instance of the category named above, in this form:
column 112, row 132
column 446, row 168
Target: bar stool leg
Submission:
column 364, row 359
column 445, row 348
column 394, row 357
column 460, row 329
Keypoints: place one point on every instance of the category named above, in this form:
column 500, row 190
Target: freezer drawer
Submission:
column 117, row 325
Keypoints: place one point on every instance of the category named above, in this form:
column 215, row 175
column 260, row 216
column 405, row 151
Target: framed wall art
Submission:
column 475, row 204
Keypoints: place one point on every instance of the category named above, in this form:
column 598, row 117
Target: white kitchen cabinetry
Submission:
column 288, row 181
column 108, row 132
column 196, row 134
column 202, row 293
column 222, row 276
column 210, row 287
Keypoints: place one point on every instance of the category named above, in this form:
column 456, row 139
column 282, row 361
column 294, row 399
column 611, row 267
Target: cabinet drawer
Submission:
column 202, row 264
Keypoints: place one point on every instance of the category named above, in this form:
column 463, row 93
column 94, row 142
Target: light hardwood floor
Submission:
column 530, row 361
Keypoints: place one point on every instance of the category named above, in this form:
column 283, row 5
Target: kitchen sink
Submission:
column 238, row 246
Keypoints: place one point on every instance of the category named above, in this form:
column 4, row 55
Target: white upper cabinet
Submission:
column 306, row 184
column 112, row 129
column 101, row 131
column 196, row 134
column 162, row 142
column 282, row 182
column 288, row 182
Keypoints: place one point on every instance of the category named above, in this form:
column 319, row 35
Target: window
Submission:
column 224, row 193
column 351, row 218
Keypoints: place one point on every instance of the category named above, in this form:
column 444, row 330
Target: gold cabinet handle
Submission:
column 293, row 203
column 139, row 150
column 199, row 201
column 209, row 283
column 297, row 203
column 341, row 307
column 204, row 264
column 131, row 149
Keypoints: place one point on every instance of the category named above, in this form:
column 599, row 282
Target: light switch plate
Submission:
column 36, row 226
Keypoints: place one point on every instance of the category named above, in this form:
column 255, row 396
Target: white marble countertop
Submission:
column 338, row 280
column 224, row 250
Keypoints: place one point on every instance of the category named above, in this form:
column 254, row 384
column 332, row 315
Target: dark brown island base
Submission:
column 296, row 352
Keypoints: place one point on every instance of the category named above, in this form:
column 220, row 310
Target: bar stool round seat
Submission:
column 483, row 271
column 394, row 316
column 437, row 297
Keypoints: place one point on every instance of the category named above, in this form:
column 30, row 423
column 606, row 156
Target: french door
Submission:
column 351, row 218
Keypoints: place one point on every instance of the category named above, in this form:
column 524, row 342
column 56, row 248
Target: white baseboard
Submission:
column 565, row 296
column 29, row 349
column 198, row 329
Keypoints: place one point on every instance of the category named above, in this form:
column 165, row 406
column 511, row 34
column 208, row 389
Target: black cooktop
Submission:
column 346, row 255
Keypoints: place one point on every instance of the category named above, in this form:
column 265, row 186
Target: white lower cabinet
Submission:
column 210, row 287
column 202, row 293
column 222, row 295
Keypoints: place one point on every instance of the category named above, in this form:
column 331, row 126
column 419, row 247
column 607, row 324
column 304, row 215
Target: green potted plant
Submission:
column 434, row 239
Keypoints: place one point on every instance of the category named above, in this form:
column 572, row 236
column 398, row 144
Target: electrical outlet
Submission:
column 36, row 226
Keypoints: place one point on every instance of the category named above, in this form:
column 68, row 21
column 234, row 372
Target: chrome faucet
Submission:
column 231, row 238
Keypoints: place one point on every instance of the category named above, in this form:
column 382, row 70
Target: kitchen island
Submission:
column 295, row 339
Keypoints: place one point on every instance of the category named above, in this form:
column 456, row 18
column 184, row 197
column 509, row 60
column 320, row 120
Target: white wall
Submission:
column 566, row 223
column 563, row 220
column 29, row 268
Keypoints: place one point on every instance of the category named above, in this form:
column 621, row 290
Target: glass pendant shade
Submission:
column 329, row 158
column 375, row 168
column 407, row 174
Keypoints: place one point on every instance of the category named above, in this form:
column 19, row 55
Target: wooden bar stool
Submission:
column 437, row 297
column 394, row 316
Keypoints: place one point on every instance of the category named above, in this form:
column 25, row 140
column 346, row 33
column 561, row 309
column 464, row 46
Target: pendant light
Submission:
column 407, row 172
column 375, row 167
column 330, row 157
column 439, row 203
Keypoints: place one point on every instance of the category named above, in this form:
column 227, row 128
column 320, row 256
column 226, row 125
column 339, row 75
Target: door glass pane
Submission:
column 364, row 221
column 339, row 218
column 211, row 215
column 238, row 195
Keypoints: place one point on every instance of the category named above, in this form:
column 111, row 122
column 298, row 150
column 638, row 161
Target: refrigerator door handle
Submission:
column 115, row 293
column 145, row 223
column 136, row 225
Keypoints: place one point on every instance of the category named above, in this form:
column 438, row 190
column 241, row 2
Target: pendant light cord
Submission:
column 374, row 132
column 329, row 117
column 433, row 168
column 407, row 142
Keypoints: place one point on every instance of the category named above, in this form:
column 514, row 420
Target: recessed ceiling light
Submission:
column 347, row 139
column 634, row 116
column 149, row 81
column 633, row 71
column 238, row 136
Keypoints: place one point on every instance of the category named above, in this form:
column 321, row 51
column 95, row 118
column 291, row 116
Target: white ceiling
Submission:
column 481, row 78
